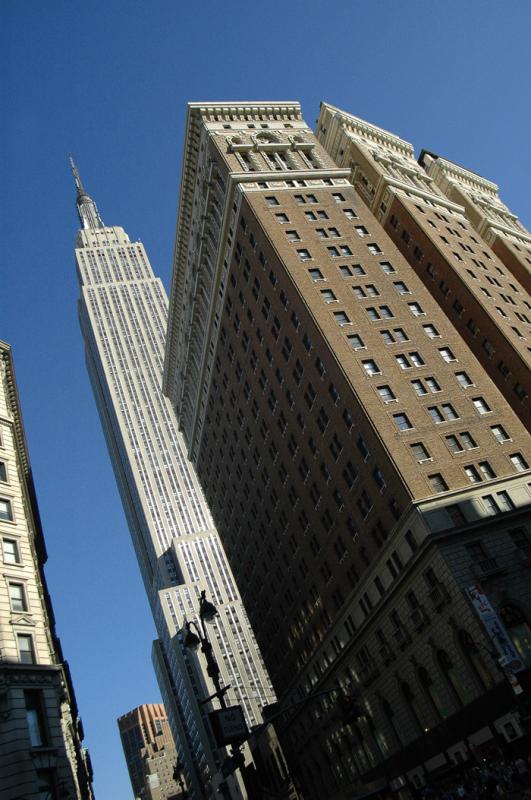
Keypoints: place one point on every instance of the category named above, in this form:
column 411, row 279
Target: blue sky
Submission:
column 109, row 81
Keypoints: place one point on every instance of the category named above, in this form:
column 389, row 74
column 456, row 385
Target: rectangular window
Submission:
column 481, row 406
column 3, row 472
column 432, row 385
column 446, row 354
column 463, row 380
column 361, row 230
column 272, row 201
column 10, row 551
column 328, row 296
column 386, row 393
column 293, row 236
column 401, row 287
column 518, row 462
column 402, row 422
column 418, row 387
column 6, row 511
column 500, row 434
column 387, row 267
column 371, row 367
column 341, row 318
column 419, row 451
column 374, row 249
column 486, row 470
column 415, row 309
column 454, row 444
column 355, row 341
column 431, row 331
column 437, row 482
column 504, row 501
column 472, row 474
column 17, row 597
column 25, row 648
column 304, row 255
column 36, row 723
column 316, row 274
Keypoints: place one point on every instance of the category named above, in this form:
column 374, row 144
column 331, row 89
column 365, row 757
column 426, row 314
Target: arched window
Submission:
column 453, row 676
column 519, row 631
column 475, row 659
column 432, row 690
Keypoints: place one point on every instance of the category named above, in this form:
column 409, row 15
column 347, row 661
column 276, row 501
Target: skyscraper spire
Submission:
column 88, row 213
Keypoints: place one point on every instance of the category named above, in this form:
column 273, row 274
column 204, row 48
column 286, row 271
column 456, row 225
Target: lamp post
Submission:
column 207, row 613
column 198, row 637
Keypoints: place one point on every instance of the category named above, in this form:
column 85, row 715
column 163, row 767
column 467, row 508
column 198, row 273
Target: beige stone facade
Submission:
column 361, row 464
column 41, row 752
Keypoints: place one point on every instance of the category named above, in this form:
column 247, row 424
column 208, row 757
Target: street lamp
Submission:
column 207, row 613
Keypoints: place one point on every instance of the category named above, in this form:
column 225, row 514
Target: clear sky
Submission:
column 109, row 81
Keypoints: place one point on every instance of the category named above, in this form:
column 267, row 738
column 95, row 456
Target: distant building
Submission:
column 150, row 753
column 41, row 752
column 366, row 463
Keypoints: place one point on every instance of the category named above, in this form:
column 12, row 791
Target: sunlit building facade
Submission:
column 363, row 468
column 123, row 312
column 41, row 734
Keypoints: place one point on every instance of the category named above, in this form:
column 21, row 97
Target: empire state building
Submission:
column 123, row 316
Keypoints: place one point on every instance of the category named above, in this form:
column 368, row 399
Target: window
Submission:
column 500, row 434
column 272, row 201
column 355, row 341
column 431, row 331
column 420, row 452
column 418, row 387
column 3, row 472
column 372, row 314
column 25, row 648
column 400, row 335
column 454, row 444
column 387, row 267
column 401, row 287
column 350, row 213
column 449, row 411
column 361, row 230
column 416, row 359
column 17, row 597
column 446, row 354
column 346, row 272
column 433, row 386
column 6, row 511
column 316, row 274
column 333, row 251
column 490, row 504
column 386, row 393
column 437, row 482
column 480, row 405
column 415, row 309
column 363, row 448
column 374, row 249
column 386, row 312
column 359, row 292
column 338, row 197
column 517, row 460
column 10, row 551
column 435, row 414
column 310, row 216
column 328, row 296
column 486, row 470
column 472, row 474
column 36, row 725
column 402, row 422
column 293, row 236
column 463, row 380
column 402, row 361
column 468, row 441
column 372, row 291
column 370, row 367
column 341, row 318
column 504, row 501
column 357, row 269
column 345, row 250
column 304, row 255
column 282, row 218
